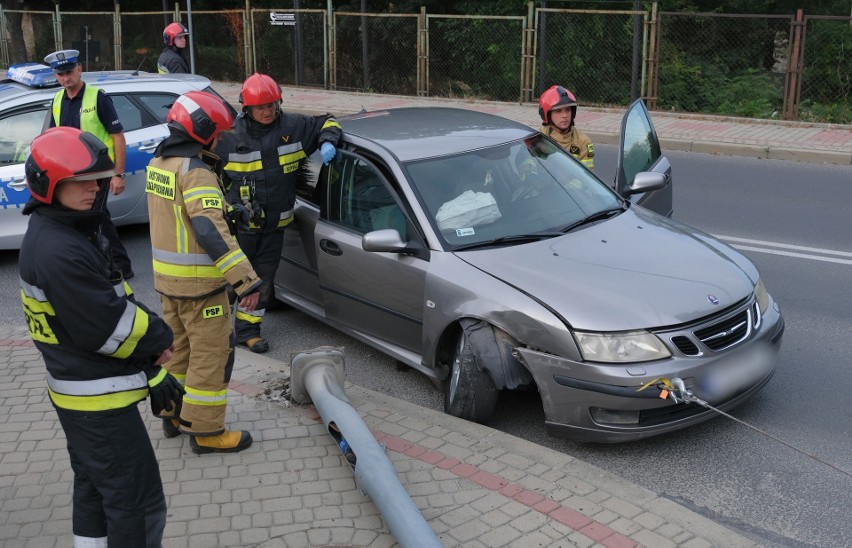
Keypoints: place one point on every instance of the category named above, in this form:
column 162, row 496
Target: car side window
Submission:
column 641, row 147
column 128, row 113
column 360, row 198
column 158, row 103
column 17, row 131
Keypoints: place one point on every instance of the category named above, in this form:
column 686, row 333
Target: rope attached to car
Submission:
column 676, row 390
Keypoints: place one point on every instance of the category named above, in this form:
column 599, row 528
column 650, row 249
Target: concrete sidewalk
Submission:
column 808, row 142
column 475, row 487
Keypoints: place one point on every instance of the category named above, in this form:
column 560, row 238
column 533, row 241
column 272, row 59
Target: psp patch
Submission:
column 211, row 203
column 213, row 312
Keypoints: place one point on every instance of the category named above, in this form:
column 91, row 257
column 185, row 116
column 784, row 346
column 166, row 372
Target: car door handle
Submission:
column 330, row 247
column 20, row 183
column 149, row 148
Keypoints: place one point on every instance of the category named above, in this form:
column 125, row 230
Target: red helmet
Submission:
column 259, row 89
column 201, row 115
column 172, row 31
column 65, row 154
column 556, row 97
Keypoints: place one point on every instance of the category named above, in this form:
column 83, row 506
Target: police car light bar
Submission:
column 32, row 74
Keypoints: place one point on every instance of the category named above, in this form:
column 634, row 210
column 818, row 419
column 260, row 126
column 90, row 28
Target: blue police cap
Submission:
column 62, row 60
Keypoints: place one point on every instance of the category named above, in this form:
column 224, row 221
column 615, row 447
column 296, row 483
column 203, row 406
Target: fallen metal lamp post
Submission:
column 316, row 376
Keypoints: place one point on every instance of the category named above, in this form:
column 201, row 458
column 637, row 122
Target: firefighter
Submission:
column 263, row 155
column 557, row 107
column 195, row 257
column 171, row 60
column 102, row 349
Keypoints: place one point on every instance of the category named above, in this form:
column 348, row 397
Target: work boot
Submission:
column 171, row 428
column 229, row 441
column 258, row 345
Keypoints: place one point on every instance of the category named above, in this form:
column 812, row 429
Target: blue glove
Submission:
column 327, row 151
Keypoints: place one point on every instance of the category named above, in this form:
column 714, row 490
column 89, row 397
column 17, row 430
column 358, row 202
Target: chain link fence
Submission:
column 142, row 39
column 723, row 64
column 827, row 72
column 27, row 35
column 218, row 38
column 291, row 46
column 589, row 52
column 475, row 57
column 92, row 35
column 375, row 53
column 690, row 62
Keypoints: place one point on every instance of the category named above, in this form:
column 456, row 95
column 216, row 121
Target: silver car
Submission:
column 142, row 101
column 477, row 251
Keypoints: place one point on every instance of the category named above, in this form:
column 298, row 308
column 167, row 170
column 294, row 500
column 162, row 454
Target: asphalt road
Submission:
column 792, row 219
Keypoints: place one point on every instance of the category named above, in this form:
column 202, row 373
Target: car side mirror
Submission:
column 646, row 181
column 386, row 240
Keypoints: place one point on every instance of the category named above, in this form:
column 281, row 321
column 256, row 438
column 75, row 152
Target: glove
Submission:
column 165, row 391
column 240, row 215
column 327, row 151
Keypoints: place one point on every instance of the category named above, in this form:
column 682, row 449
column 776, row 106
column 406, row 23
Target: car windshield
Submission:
column 508, row 194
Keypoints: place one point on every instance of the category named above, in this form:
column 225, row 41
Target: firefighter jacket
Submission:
column 194, row 252
column 96, row 340
column 262, row 163
column 172, row 62
column 575, row 142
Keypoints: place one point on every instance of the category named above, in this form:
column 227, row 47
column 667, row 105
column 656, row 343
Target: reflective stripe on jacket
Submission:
column 96, row 340
column 194, row 253
column 263, row 162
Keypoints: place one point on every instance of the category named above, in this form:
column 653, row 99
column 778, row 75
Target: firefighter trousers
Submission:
column 203, row 359
column 118, row 494
column 263, row 250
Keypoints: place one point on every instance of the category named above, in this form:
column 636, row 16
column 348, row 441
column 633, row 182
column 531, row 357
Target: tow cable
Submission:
column 676, row 390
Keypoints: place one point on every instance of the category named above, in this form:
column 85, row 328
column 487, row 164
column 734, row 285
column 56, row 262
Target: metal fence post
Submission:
column 422, row 54
column 57, row 29
column 653, row 58
column 316, row 377
column 793, row 78
column 248, row 39
column 116, row 26
column 4, row 39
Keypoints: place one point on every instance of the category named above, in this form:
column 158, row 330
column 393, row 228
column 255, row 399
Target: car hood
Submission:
column 638, row 270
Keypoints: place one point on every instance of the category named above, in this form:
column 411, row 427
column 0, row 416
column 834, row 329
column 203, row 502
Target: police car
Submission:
column 142, row 101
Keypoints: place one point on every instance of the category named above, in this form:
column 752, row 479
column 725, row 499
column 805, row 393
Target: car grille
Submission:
column 719, row 332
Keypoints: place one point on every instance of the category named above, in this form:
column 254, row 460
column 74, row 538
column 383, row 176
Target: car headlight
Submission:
column 762, row 296
column 632, row 346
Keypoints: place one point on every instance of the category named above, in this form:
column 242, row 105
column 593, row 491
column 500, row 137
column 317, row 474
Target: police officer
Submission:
column 171, row 60
column 88, row 108
column 262, row 156
column 195, row 257
column 557, row 107
column 102, row 349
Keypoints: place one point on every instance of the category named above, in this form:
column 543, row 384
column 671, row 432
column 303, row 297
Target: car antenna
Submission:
column 144, row 52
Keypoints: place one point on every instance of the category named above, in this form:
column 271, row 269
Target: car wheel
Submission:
column 469, row 392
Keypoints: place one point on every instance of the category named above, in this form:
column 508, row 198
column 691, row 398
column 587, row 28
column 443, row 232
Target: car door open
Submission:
column 640, row 152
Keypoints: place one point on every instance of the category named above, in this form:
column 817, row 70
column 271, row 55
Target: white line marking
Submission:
column 791, row 254
column 784, row 246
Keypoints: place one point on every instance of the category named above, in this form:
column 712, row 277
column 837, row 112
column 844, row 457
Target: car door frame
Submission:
column 366, row 292
column 660, row 200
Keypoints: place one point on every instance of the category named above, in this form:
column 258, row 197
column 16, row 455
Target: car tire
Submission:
column 469, row 392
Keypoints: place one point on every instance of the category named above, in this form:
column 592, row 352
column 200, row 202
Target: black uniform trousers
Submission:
column 118, row 494
column 263, row 250
column 119, row 254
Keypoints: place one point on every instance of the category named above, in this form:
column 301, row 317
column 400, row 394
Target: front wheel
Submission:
column 469, row 392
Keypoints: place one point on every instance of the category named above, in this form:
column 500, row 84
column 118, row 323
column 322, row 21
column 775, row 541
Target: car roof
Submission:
column 418, row 133
column 119, row 80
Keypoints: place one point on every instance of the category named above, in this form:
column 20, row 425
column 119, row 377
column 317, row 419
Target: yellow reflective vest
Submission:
column 89, row 120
